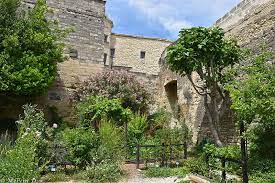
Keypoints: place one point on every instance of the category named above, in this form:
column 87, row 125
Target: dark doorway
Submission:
column 172, row 96
column 8, row 130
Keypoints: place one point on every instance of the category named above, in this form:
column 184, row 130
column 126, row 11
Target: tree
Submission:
column 206, row 52
column 253, row 102
column 30, row 48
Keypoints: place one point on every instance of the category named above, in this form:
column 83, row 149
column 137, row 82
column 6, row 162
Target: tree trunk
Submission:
column 212, row 123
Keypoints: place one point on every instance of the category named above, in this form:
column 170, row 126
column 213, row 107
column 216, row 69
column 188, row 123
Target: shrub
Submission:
column 137, row 127
column 160, row 119
column 117, row 85
column 80, row 142
column 95, row 108
column 33, row 120
column 196, row 165
column 111, row 140
column 268, row 177
column 103, row 172
column 19, row 162
column 165, row 172
column 55, row 177
column 30, row 48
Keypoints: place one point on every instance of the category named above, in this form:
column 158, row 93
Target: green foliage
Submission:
column 55, row 177
column 160, row 119
column 111, row 139
column 30, row 48
column 232, row 151
column 137, row 127
column 79, row 142
column 253, row 101
column 166, row 172
column 93, row 109
column 262, row 177
column 198, row 49
column 117, row 85
column 19, row 162
column 196, row 166
column 33, row 120
column 103, row 172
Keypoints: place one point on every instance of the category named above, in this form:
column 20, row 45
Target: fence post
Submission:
column 244, row 155
column 163, row 155
column 138, row 156
column 185, row 150
column 223, row 170
column 207, row 163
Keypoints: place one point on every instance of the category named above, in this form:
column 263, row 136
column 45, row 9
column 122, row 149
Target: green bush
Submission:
column 196, row 166
column 55, row 177
column 103, row 172
column 80, row 142
column 93, row 109
column 137, row 127
column 165, row 172
column 111, row 140
column 20, row 162
column 160, row 119
column 117, row 85
column 30, row 48
column 268, row 177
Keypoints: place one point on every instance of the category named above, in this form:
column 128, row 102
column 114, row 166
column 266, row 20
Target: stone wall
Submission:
column 128, row 52
column 255, row 26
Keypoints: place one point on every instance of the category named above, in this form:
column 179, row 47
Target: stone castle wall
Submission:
column 128, row 52
column 254, row 27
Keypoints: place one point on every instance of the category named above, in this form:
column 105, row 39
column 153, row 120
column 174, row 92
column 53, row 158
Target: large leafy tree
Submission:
column 30, row 47
column 253, row 101
column 205, row 51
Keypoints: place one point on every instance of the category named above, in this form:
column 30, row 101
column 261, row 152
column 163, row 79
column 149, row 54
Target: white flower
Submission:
column 28, row 129
column 55, row 125
column 37, row 134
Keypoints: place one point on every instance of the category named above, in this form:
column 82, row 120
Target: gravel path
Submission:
column 134, row 176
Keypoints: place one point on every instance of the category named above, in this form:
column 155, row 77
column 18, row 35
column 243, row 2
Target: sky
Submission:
column 164, row 18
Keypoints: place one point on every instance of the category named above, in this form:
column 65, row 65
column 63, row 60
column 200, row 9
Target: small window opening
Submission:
column 73, row 53
column 113, row 50
column 105, row 38
column 105, row 58
column 142, row 54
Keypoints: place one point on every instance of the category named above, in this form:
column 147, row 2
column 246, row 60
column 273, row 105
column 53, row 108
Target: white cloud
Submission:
column 176, row 14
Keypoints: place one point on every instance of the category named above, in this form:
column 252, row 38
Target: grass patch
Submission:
column 165, row 172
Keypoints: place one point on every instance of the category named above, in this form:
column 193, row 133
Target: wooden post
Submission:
column 244, row 155
column 207, row 163
column 223, row 170
column 185, row 150
column 138, row 156
column 163, row 155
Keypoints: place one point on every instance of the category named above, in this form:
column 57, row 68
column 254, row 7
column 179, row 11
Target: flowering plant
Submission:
column 117, row 84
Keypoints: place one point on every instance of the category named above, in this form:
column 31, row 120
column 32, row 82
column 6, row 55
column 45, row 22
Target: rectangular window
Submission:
column 113, row 51
column 73, row 53
column 105, row 38
column 105, row 58
column 142, row 54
